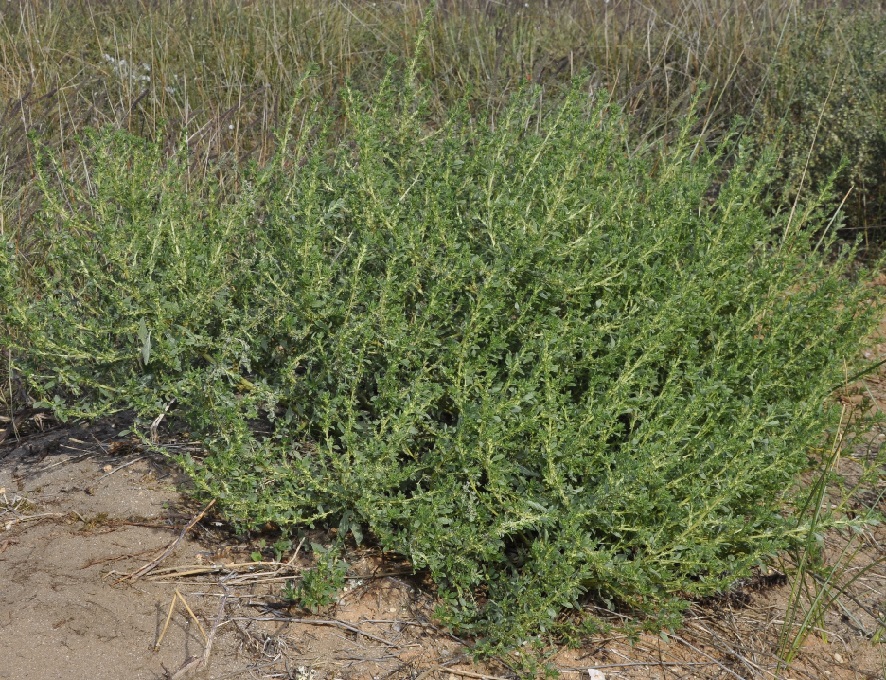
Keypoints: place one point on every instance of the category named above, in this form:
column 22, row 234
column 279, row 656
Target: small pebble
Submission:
column 838, row 658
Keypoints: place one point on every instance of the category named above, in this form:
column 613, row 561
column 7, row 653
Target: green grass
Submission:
column 835, row 553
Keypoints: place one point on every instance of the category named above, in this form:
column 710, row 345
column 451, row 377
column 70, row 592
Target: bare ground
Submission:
column 104, row 573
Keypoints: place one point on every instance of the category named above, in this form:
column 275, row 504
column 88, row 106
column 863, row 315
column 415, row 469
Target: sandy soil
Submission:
column 98, row 546
column 82, row 511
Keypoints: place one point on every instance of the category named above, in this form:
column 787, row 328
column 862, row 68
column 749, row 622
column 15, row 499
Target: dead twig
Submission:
column 467, row 674
column 695, row 649
column 334, row 623
column 43, row 515
column 257, row 571
column 254, row 572
column 106, row 560
column 191, row 665
column 194, row 663
column 166, row 624
column 717, row 642
column 640, row 663
column 166, row 553
column 70, row 459
column 179, row 597
column 117, row 469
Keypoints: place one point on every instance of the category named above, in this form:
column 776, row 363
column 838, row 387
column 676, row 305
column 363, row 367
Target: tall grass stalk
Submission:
column 819, row 580
column 793, row 635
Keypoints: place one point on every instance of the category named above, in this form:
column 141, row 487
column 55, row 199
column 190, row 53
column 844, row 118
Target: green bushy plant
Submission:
column 319, row 586
column 539, row 366
column 829, row 92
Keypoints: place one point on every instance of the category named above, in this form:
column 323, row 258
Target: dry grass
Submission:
column 226, row 74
